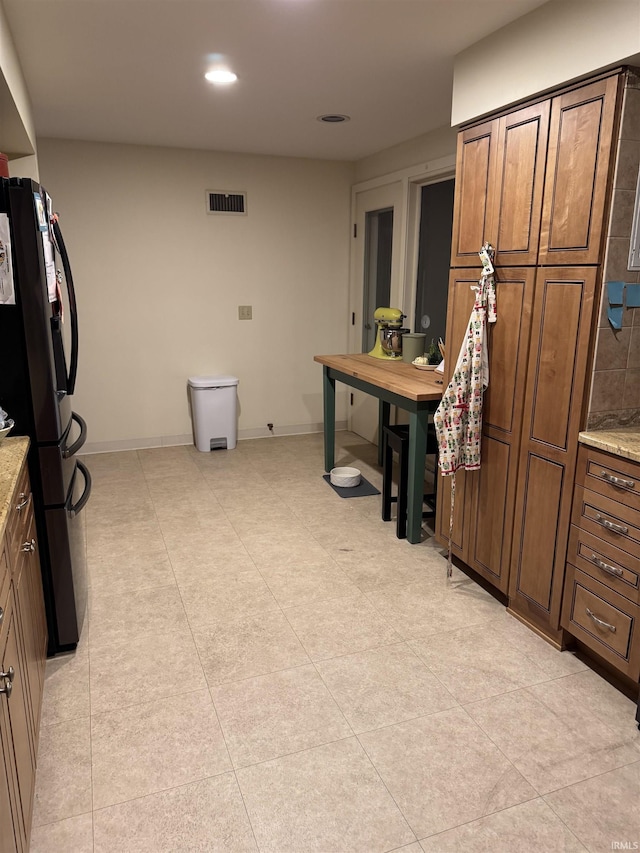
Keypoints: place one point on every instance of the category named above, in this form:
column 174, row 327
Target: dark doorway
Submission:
column 436, row 221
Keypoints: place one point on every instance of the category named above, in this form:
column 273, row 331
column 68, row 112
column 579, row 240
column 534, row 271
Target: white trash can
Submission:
column 214, row 408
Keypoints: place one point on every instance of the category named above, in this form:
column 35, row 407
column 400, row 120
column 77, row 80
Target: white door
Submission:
column 376, row 282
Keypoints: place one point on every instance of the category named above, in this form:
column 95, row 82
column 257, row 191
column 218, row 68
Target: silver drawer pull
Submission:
column 1, row 615
column 10, row 674
column 600, row 622
column 610, row 570
column 617, row 528
column 617, row 481
column 24, row 501
column 8, row 687
column 28, row 546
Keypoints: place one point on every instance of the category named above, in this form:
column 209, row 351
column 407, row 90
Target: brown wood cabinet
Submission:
column 552, row 412
column 483, row 516
column 534, row 182
column 579, row 159
column 499, row 183
column 23, row 639
column 601, row 604
column 10, row 813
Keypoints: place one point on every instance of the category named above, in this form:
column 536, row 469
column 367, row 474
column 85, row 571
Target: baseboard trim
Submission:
column 187, row 438
column 287, row 429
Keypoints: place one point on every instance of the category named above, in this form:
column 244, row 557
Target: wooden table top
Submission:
column 392, row 375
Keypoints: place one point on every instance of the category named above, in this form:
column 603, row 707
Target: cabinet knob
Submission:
column 29, row 546
column 10, row 674
column 8, row 687
column 24, row 500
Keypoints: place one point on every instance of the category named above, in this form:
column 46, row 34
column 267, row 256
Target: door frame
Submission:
column 407, row 221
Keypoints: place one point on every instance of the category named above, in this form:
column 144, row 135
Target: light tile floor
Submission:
column 266, row 667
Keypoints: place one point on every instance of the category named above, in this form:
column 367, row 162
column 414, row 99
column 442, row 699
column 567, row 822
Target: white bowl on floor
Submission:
column 345, row 477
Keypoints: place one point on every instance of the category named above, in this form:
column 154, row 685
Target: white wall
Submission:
column 556, row 43
column 413, row 152
column 17, row 130
column 159, row 283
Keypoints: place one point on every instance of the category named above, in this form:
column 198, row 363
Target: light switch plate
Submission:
column 245, row 312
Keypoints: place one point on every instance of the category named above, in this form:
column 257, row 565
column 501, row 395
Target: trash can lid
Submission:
column 212, row 381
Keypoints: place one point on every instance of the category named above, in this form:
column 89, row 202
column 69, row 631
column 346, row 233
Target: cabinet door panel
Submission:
column 555, row 375
column 543, row 482
column 33, row 620
column 508, row 342
column 491, row 491
column 580, row 141
column 514, row 221
column 474, row 193
column 18, row 717
column 460, row 303
column 9, row 815
column 554, row 395
column 489, row 513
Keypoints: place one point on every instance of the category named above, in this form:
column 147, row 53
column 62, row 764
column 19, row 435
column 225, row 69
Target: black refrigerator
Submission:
column 38, row 366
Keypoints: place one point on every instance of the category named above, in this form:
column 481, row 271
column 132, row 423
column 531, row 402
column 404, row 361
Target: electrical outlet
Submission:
column 245, row 312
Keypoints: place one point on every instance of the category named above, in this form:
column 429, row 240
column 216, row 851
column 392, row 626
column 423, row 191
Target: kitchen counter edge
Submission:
column 13, row 452
column 624, row 441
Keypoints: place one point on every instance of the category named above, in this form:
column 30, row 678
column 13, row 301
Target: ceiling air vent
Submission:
column 219, row 201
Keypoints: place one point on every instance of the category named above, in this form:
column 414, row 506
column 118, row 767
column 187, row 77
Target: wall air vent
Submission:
column 230, row 203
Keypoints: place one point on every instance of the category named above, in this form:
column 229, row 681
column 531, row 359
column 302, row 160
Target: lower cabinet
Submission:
column 16, row 724
column 553, row 401
column 511, row 518
column 23, row 641
column 601, row 603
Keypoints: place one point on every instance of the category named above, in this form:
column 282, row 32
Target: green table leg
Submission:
column 384, row 411
column 417, row 452
column 329, row 408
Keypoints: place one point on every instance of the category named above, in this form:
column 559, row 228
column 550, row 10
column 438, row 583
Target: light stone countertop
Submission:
column 624, row 441
column 12, row 454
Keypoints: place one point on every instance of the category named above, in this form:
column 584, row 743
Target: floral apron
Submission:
column 458, row 418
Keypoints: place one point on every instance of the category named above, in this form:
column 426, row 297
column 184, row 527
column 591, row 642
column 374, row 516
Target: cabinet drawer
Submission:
column 608, row 520
column 604, row 562
column 5, row 579
column 21, row 507
column 611, row 476
column 602, row 620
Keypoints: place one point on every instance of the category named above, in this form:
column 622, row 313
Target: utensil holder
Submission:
column 413, row 345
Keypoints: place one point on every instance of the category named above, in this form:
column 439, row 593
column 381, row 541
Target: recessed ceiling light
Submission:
column 221, row 75
column 333, row 118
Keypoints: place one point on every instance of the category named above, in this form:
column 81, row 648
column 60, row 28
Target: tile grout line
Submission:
column 213, row 705
column 402, row 639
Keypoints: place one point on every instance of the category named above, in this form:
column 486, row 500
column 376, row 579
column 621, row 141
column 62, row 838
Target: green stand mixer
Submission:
column 389, row 333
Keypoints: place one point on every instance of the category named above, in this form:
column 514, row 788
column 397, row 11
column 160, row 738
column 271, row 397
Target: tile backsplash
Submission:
column 615, row 389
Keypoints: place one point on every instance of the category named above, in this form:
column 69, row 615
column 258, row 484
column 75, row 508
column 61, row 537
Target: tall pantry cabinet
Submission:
column 534, row 183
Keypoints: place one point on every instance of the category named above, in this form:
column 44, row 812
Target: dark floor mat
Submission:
column 363, row 490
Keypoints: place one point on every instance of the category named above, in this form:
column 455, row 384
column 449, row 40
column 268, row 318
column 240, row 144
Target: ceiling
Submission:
column 132, row 70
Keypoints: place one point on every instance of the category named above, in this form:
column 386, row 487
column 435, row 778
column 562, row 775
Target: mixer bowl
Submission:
column 391, row 341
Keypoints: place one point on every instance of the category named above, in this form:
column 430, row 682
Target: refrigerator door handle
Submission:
column 74, row 509
column 80, row 440
column 73, row 311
